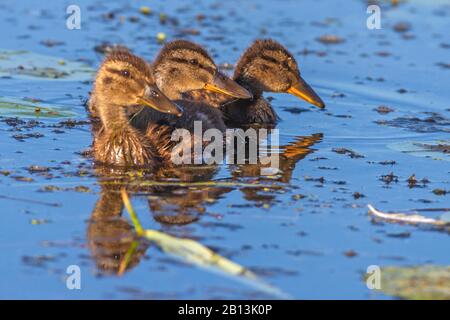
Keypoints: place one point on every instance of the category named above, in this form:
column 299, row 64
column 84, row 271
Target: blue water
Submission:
column 296, row 245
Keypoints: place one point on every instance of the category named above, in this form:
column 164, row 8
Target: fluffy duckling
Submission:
column 266, row 66
column 124, row 84
column 183, row 66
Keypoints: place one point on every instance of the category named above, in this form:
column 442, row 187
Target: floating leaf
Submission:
column 438, row 150
column 405, row 218
column 417, row 283
column 10, row 107
column 195, row 253
column 29, row 65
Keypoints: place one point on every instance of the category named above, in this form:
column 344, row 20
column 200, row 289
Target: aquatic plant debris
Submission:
column 428, row 282
column 33, row 66
column 406, row 218
column 436, row 150
column 13, row 107
column 223, row 184
column 194, row 253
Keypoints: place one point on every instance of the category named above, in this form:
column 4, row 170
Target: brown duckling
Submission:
column 124, row 84
column 266, row 66
column 183, row 66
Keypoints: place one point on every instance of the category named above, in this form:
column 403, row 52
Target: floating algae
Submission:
column 34, row 66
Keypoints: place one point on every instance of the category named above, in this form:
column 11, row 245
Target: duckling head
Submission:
column 125, row 81
column 267, row 66
column 183, row 66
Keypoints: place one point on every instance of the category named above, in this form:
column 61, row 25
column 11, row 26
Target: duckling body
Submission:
column 266, row 66
column 211, row 118
column 157, row 128
column 238, row 112
column 125, row 147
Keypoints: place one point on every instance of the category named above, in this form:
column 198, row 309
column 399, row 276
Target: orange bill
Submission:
column 223, row 84
column 305, row 92
column 155, row 99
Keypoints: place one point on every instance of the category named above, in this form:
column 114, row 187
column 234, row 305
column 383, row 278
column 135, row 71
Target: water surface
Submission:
column 307, row 234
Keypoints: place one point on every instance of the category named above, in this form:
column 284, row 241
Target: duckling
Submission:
column 124, row 83
column 183, row 66
column 266, row 66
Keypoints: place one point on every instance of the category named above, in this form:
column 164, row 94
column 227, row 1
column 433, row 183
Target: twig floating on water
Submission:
column 405, row 218
column 50, row 204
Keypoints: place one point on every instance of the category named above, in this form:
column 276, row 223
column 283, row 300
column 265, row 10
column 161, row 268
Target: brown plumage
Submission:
column 266, row 66
column 179, row 67
column 124, row 84
column 183, row 66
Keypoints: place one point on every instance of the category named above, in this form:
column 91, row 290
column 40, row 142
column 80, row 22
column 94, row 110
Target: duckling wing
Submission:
column 210, row 118
column 212, row 99
column 245, row 112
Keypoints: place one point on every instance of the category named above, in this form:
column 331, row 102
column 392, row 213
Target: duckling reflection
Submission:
column 182, row 205
column 289, row 156
column 265, row 66
column 186, row 204
column 110, row 236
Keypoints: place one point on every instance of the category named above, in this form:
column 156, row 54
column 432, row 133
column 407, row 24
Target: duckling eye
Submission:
column 265, row 68
column 125, row 73
column 154, row 93
column 193, row 62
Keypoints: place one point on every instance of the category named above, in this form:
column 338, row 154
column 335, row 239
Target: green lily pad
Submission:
column 25, row 109
column 29, row 65
column 437, row 150
column 417, row 283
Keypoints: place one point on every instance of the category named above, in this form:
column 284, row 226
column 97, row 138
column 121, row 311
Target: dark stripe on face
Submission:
column 115, row 71
column 141, row 81
column 119, row 72
column 275, row 61
column 199, row 65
